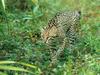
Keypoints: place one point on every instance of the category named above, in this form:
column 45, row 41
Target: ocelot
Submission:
column 63, row 25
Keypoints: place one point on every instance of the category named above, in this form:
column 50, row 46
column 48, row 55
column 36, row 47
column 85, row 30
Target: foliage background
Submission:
column 20, row 29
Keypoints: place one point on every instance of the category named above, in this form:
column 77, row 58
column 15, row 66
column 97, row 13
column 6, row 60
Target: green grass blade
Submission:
column 7, row 62
column 3, row 4
column 2, row 73
column 21, row 63
column 3, row 67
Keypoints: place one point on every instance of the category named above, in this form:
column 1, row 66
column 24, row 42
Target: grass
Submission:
column 20, row 36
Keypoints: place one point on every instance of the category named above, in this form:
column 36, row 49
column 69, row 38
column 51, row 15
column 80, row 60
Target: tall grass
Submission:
column 20, row 37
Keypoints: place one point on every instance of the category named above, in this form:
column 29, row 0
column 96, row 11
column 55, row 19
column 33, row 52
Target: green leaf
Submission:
column 3, row 4
column 7, row 62
column 35, row 2
column 3, row 67
column 2, row 73
column 11, row 62
column 21, row 63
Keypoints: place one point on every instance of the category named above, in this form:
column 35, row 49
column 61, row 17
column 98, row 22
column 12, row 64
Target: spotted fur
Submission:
column 63, row 27
column 63, row 24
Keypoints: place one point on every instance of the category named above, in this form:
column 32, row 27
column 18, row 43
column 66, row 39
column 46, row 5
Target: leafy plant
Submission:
column 20, row 39
column 3, row 4
column 4, row 66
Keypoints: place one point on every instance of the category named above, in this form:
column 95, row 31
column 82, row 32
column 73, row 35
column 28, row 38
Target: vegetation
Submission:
column 22, row 51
